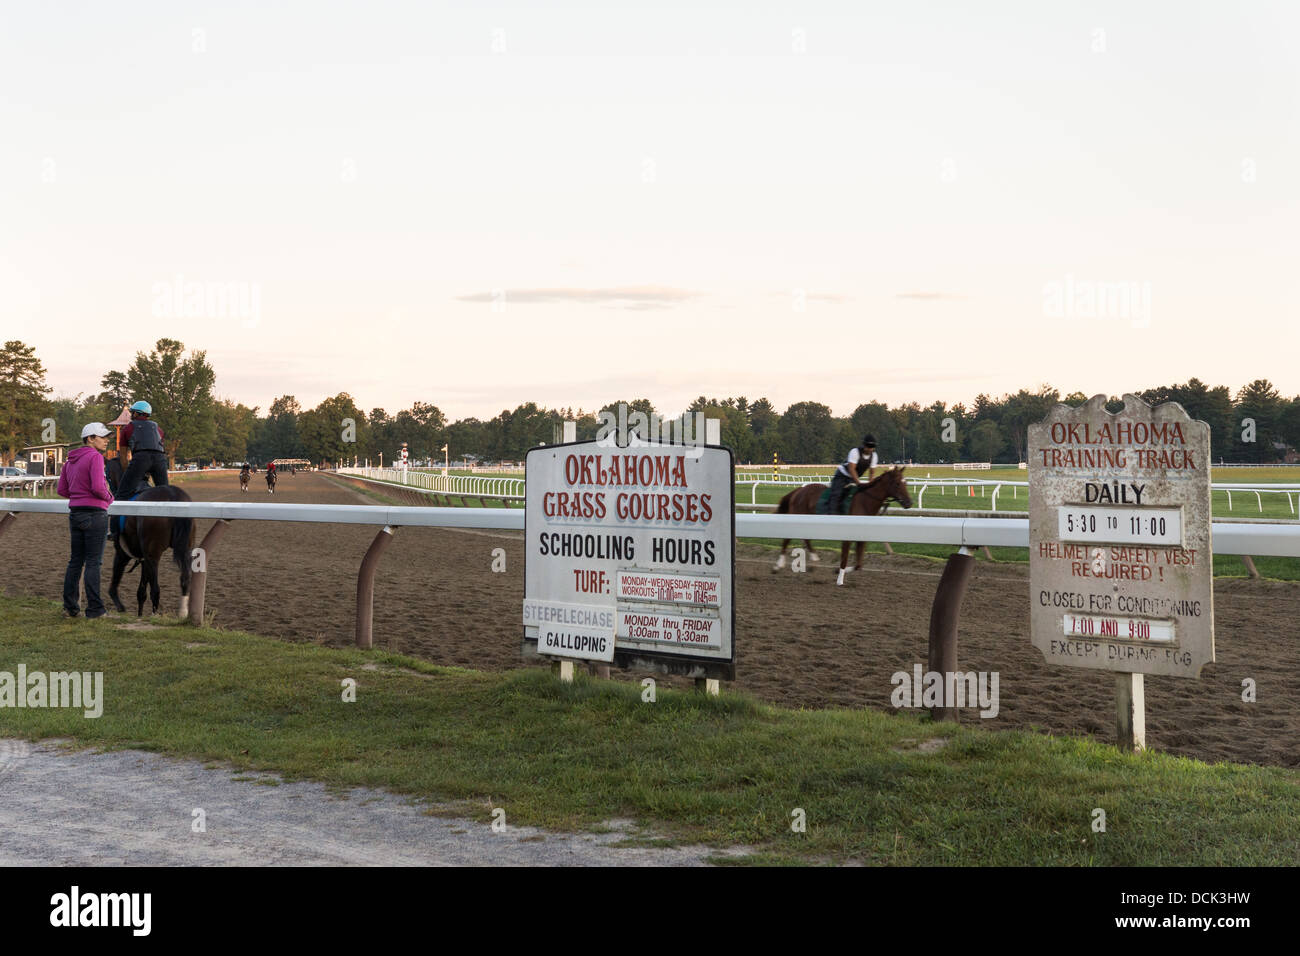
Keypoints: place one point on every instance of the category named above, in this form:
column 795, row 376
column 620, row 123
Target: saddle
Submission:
column 121, row 519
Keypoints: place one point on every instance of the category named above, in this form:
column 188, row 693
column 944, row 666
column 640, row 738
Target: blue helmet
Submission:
column 142, row 407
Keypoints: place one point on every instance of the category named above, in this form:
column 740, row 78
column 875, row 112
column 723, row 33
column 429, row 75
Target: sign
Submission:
column 630, row 554
column 1120, row 565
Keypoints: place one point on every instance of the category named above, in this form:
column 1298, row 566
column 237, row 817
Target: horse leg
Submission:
column 858, row 565
column 185, row 582
column 812, row 554
column 155, row 592
column 844, row 561
column 119, row 565
column 780, row 561
column 143, row 586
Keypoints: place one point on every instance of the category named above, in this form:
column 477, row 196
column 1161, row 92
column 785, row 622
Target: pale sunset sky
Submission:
column 481, row 204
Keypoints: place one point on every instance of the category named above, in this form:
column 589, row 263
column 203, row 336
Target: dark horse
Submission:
column 270, row 481
column 867, row 500
column 145, row 539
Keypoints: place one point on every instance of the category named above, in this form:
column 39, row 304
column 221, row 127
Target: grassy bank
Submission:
column 873, row 787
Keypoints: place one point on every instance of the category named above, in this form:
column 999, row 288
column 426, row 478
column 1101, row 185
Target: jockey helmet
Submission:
column 142, row 407
column 869, row 441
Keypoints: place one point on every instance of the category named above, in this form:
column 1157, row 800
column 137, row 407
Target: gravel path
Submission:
column 128, row 808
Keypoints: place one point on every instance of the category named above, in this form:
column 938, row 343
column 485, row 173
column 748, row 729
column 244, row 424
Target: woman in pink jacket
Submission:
column 83, row 483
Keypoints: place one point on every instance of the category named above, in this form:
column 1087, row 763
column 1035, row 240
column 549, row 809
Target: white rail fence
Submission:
column 1277, row 539
column 1245, row 539
column 473, row 486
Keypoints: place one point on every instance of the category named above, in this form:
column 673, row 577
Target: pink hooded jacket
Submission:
column 82, row 481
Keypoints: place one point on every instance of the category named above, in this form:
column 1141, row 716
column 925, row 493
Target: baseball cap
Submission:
column 97, row 429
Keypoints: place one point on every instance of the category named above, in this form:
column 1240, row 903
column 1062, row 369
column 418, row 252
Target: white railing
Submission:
column 1272, row 538
column 1228, row 487
column 473, row 486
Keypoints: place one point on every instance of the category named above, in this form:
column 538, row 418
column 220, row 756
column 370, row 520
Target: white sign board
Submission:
column 635, row 545
column 1120, row 566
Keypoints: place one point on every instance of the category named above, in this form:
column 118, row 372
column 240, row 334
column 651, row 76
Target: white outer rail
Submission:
column 469, row 485
column 1276, row 539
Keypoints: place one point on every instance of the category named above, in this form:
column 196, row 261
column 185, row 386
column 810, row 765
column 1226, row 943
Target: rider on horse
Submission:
column 851, row 471
column 148, row 459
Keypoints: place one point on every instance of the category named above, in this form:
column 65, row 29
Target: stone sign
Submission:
column 1120, row 568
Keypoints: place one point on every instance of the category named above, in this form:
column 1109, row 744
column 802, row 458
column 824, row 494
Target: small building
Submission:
column 45, row 460
column 117, row 425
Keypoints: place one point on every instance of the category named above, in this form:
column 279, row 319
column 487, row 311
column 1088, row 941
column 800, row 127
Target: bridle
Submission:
column 886, row 496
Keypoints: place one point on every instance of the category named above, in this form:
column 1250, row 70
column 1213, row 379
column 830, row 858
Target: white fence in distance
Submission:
column 1275, row 539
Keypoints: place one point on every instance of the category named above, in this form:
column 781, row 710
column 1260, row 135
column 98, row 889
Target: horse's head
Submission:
column 897, row 486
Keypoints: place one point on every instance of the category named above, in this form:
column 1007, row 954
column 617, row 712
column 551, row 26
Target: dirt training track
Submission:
column 801, row 641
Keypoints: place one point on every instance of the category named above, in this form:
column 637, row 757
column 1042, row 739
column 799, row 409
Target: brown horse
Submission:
column 243, row 480
column 869, row 499
column 145, row 539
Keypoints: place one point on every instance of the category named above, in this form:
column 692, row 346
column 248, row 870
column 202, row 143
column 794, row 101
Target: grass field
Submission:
column 873, row 787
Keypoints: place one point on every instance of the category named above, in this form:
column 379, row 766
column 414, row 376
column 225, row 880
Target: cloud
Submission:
column 927, row 295
column 638, row 297
column 832, row 298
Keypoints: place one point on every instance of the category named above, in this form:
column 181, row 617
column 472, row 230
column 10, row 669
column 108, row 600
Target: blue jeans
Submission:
column 88, row 531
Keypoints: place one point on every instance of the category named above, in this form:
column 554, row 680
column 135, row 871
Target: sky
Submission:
column 479, row 205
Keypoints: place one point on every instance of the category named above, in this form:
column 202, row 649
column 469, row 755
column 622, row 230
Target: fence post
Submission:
column 943, row 621
column 199, row 579
column 366, row 587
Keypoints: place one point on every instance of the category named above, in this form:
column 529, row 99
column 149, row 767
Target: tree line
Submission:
column 1255, row 425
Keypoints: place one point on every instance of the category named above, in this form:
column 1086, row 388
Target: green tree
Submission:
column 22, row 398
column 278, row 436
column 467, row 437
column 1023, row 409
column 234, row 428
column 985, row 441
column 422, row 427
column 1213, row 406
column 180, row 391
column 875, row 419
column 66, row 412
column 335, row 430
column 734, row 428
column 1260, row 402
column 808, row 434
column 764, row 427
column 116, row 392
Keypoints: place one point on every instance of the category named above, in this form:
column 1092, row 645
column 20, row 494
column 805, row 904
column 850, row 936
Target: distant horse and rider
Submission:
column 868, row 499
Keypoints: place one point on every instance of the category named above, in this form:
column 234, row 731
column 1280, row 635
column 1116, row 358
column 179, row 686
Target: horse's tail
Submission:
column 784, row 507
column 182, row 537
